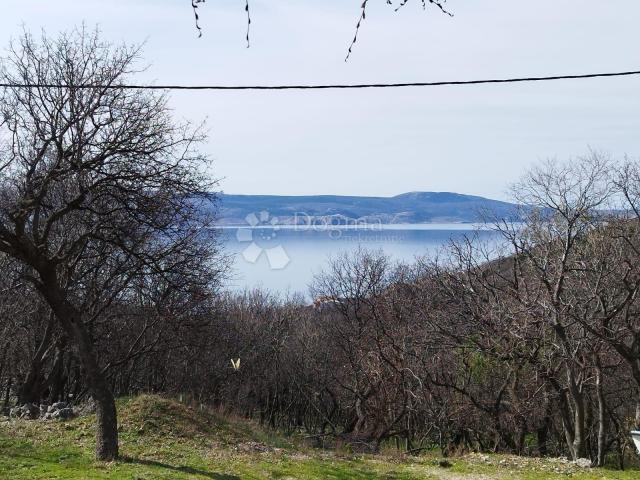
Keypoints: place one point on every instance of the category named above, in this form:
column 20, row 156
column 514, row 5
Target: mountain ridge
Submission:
column 409, row 207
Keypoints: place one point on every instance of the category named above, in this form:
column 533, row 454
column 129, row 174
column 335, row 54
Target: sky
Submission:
column 467, row 139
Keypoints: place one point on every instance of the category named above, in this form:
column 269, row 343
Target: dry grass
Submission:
column 165, row 439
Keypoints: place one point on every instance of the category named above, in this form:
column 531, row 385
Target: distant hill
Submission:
column 412, row 207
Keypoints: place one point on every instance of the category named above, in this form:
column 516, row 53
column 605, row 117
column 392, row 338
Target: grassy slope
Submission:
column 163, row 439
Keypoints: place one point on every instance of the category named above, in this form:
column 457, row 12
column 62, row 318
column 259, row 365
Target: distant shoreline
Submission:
column 368, row 227
column 412, row 208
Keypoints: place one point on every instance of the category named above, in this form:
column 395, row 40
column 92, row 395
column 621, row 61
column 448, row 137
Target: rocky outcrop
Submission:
column 31, row 411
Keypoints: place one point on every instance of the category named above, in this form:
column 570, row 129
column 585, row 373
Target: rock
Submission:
column 59, row 410
column 32, row 411
column 63, row 414
column 27, row 411
column 583, row 463
column 57, row 406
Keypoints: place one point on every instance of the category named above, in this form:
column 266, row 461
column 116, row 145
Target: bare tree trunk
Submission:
column 578, row 425
column 31, row 389
column 71, row 320
column 567, row 425
column 577, row 401
column 543, row 431
column 542, row 434
column 7, row 394
column 106, row 420
column 56, row 378
column 602, row 431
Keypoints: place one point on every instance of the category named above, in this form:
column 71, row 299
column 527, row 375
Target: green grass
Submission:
column 164, row 439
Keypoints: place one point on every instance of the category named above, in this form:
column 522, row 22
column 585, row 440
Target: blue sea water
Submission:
column 284, row 259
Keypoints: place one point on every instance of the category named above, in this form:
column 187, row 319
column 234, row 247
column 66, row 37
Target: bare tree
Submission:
column 96, row 181
column 397, row 5
column 562, row 209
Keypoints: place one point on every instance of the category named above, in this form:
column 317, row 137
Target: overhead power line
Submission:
column 325, row 86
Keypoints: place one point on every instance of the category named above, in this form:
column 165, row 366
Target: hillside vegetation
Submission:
column 165, row 439
column 412, row 207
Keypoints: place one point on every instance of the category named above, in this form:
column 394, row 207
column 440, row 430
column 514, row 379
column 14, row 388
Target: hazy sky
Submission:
column 470, row 139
